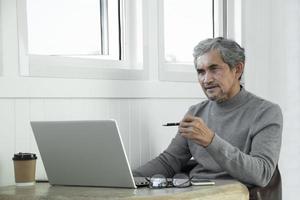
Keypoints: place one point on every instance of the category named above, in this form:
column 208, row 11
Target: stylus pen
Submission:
column 172, row 124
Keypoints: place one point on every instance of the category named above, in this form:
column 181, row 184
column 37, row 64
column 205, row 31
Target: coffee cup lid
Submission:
column 24, row 156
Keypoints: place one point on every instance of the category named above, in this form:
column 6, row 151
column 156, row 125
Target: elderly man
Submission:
column 233, row 134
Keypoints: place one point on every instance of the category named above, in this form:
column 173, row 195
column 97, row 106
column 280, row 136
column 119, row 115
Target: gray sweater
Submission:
column 246, row 145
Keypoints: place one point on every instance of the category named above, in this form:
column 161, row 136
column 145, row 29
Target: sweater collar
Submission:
column 230, row 104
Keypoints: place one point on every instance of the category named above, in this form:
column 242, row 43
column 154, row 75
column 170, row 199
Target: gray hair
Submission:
column 231, row 52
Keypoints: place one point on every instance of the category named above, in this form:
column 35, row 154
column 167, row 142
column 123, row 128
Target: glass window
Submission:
column 73, row 27
column 185, row 24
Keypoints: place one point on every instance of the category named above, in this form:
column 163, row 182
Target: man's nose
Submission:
column 207, row 78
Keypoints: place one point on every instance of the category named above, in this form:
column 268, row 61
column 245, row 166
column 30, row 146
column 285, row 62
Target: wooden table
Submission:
column 223, row 189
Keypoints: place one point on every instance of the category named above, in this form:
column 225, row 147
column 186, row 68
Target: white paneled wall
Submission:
column 139, row 121
column 271, row 38
column 7, row 141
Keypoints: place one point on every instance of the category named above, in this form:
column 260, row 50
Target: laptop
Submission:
column 84, row 153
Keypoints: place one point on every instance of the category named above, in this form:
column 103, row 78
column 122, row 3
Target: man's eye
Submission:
column 200, row 72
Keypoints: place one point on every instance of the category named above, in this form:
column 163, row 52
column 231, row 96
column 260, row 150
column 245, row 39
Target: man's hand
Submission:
column 195, row 129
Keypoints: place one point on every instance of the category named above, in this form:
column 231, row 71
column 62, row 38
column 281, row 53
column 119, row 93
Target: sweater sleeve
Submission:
column 256, row 167
column 169, row 162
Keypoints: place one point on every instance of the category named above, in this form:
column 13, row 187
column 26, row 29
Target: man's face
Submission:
column 217, row 80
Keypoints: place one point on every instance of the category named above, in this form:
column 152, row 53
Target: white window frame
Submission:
column 75, row 67
column 227, row 28
column 234, row 20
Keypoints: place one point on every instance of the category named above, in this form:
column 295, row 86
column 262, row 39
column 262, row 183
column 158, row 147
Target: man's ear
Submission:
column 239, row 69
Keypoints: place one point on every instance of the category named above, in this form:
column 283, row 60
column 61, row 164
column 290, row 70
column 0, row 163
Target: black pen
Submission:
column 171, row 124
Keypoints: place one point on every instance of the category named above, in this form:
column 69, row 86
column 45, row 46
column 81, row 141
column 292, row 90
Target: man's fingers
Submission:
column 185, row 124
column 191, row 121
column 188, row 130
column 183, row 130
column 188, row 118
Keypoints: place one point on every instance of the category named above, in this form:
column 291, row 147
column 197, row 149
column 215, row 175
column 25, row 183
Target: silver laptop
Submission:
column 84, row 153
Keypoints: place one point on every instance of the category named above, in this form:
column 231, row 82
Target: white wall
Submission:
column 271, row 37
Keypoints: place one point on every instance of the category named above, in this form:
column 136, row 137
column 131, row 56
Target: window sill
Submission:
column 177, row 72
column 68, row 67
column 35, row 87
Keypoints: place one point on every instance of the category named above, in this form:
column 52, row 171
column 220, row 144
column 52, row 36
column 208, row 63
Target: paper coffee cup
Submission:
column 24, row 165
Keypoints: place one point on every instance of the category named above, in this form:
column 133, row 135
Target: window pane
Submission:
column 186, row 23
column 113, row 27
column 70, row 27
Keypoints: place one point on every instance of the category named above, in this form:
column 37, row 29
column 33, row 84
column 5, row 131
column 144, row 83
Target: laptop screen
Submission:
column 83, row 153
